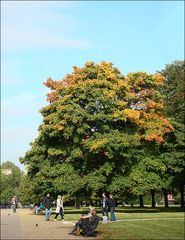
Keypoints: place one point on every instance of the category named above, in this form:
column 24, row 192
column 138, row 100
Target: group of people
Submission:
column 47, row 204
column 86, row 222
column 89, row 222
column 108, row 203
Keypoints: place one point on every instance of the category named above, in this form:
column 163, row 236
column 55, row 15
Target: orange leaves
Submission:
column 135, row 98
column 49, row 83
column 166, row 123
column 60, row 127
column 54, row 85
column 156, row 127
column 51, row 97
column 159, row 79
column 154, row 137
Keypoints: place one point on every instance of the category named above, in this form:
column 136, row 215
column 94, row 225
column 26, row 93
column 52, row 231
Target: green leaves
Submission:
column 11, row 177
column 94, row 130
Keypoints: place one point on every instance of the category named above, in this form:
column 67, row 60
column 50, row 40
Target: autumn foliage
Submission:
column 97, row 125
column 135, row 97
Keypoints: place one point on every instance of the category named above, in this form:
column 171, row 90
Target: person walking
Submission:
column 59, row 208
column 105, row 203
column 112, row 207
column 47, row 204
column 14, row 204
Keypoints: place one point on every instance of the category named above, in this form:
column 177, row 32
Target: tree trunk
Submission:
column 77, row 202
column 182, row 195
column 153, row 198
column 141, row 205
column 165, row 198
column 116, row 203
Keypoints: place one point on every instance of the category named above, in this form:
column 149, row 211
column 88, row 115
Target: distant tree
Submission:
column 93, row 129
column 11, row 177
column 26, row 191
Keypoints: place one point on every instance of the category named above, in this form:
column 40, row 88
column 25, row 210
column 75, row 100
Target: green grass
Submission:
column 144, row 226
column 161, row 229
column 140, row 226
column 137, row 223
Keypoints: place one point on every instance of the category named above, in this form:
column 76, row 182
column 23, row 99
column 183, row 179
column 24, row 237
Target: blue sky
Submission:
column 41, row 39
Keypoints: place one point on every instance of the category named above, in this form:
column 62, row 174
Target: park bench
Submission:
column 88, row 229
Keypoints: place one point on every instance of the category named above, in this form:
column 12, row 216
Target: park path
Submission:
column 27, row 226
column 10, row 225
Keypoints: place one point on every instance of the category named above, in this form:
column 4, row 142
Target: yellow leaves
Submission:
column 75, row 120
column 99, row 143
column 50, row 118
column 66, row 97
column 61, row 107
column 159, row 79
column 111, row 76
column 154, row 105
column 163, row 168
column 55, row 151
column 109, row 93
column 132, row 114
column 121, row 103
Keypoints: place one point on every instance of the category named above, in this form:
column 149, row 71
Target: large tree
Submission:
column 94, row 127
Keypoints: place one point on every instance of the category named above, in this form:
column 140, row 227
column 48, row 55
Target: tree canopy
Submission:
column 97, row 125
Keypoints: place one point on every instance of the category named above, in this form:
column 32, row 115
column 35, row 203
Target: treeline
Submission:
column 11, row 177
column 106, row 132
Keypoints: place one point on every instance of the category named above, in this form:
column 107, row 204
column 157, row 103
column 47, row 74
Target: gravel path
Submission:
column 10, row 225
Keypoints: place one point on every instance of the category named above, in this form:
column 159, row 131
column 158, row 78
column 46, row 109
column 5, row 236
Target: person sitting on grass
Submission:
column 86, row 223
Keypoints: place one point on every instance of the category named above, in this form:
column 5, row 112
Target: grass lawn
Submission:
column 140, row 226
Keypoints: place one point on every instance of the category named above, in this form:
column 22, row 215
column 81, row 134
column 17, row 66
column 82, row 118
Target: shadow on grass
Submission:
column 148, row 209
column 84, row 210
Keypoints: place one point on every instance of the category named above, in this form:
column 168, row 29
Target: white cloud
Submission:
column 32, row 25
